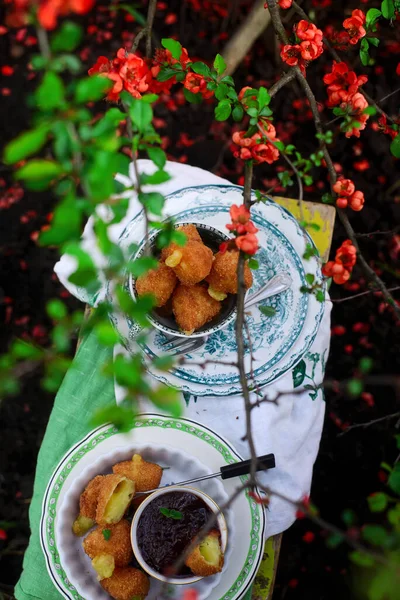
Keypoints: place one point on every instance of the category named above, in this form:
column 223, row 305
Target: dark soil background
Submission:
column 348, row 465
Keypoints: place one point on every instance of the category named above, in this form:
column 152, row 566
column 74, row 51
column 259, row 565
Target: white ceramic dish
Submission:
column 76, row 563
column 212, row 505
column 245, row 518
column 280, row 341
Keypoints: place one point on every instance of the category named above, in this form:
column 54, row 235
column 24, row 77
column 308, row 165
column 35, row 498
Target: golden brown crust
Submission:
column 190, row 231
column 193, row 307
column 146, row 475
column 107, row 488
column 160, row 282
column 195, row 264
column 89, row 498
column 126, row 584
column 197, row 562
column 117, row 544
column 223, row 276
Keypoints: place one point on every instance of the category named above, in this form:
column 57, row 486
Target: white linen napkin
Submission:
column 290, row 429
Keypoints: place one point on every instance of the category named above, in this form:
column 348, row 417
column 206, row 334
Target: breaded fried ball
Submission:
column 193, row 307
column 114, row 540
column 190, row 231
column 223, row 276
column 207, row 558
column 87, row 507
column 146, row 475
column 160, row 282
column 115, row 495
column 126, row 584
column 191, row 262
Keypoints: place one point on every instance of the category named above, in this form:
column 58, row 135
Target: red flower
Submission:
column 190, row 594
column 354, row 26
column 356, row 202
column 308, row 537
column 398, row 69
column 342, row 83
column 344, row 187
column 50, row 10
column 134, row 72
column 265, row 153
column 291, row 55
column 239, row 138
column 164, row 57
column 310, row 50
column 247, row 243
column 239, row 214
column 308, row 32
column 196, row 84
column 340, row 268
column 285, row 3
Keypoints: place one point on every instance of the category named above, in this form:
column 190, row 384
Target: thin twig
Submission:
column 369, row 423
column 339, row 300
column 149, row 25
column 43, row 42
column 284, row 80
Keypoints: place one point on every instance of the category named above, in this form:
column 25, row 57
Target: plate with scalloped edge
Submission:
column 278, row 342
column 151, row 430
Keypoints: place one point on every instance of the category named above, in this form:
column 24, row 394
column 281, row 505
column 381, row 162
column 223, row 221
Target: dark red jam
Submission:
column 162, row 539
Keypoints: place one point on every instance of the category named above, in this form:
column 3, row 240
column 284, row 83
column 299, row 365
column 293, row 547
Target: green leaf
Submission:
column 66, row 224
column 201, row 69
column 92, row 88
column 39, row 170
column 167, row 399
column 394, row 479
column 56, row 309
column 370, row 110
column 158, row 156
column 123, row 418
column 164, row 363
column 372, row 16
column 50, row 93
column 171, row 513
column 387, row 8
column 377, row 502
column 374, row 41
column 223, row 110
column 334, row 540
column 68, row 62
column 60, row 337
column 354, row 387
column 320, row 296
column 25, row 144
column 173, row 46
column 24, row 350
column 349, row 517
column 253, row 264
column 365, row 365
column 155, row 178
column 193, row 98
column 141, row 114
column 393, row 515
column 219, row 64
column 374, row 534
column 228, row 79
column 263, row 97
column 106, row 534
column 299, row 373
column 238, row 113
column 395, row 146
column 153, row 201
column 86, row 273
column 166, row 73
column 364, row 52
column 150, row 98
column 268, row 311
column 310, row 278
column 221, row 91
column 38, row 62
column 361, row 559
column 106, row 333
column 141, row 265
column 67, row 38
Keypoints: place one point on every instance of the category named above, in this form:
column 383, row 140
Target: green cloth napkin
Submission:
column 83, row 390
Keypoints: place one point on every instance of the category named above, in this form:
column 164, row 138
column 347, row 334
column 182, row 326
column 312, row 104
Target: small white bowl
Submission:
column 210, row 503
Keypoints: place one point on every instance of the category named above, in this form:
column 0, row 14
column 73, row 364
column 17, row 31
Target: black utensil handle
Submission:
column 243, row 468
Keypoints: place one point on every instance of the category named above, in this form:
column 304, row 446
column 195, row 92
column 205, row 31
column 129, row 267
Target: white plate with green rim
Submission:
column 279, row 341
column 183, row 434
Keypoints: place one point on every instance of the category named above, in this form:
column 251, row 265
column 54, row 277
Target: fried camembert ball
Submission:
column 223, row 277
column 146, row 475
column 207, row 558
column 87, row 507
column 191, row 262
column 113, row 541
column 190, row 231
column 115, row 495
column 193, row 307
column 159, row 282
column 127, row 583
